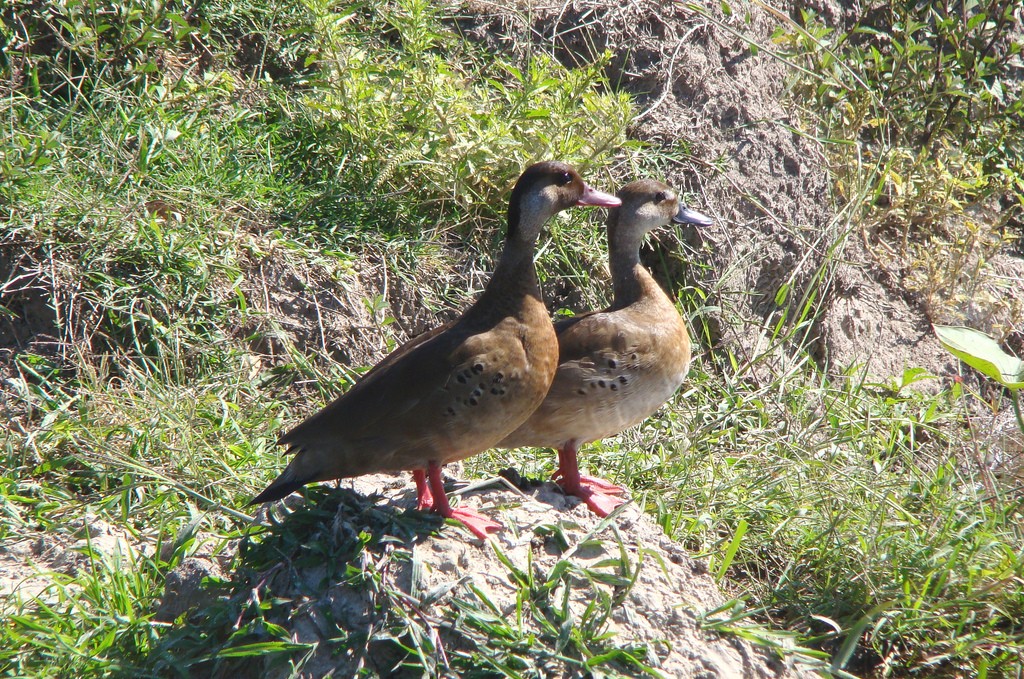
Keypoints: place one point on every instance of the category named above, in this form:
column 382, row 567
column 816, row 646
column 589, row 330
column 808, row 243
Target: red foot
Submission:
column 477, row 523
column 601, row 496
column 431, row 497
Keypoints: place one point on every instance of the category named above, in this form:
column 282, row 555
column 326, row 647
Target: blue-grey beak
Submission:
column 688, row 216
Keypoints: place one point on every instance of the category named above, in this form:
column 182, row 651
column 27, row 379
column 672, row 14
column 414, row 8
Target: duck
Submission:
column 456, row 390
column 617, row 366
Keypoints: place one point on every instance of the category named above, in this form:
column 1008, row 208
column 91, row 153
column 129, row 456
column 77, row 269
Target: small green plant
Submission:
column 982, row 353
column 552, row 631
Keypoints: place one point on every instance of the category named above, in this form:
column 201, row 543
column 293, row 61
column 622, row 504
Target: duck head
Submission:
column 646, row 205
column 544, row 190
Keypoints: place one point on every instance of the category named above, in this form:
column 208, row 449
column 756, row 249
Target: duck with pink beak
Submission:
column 459, row 389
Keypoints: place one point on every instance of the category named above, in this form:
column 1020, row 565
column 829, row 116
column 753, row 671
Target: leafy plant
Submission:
column 982, row 353
column 925, row 115
column 64, row 49
column 933, row 78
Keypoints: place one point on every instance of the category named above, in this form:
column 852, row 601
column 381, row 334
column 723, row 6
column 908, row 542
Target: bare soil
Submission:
column 298, row 307
column 27, row 564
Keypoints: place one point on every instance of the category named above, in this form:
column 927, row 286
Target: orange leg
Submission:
column 600, row 495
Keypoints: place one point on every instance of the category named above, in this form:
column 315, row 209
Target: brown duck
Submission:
column 616, row 366
column 459, row 389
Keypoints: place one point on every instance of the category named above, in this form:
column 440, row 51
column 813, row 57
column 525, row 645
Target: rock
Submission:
column 555, row 564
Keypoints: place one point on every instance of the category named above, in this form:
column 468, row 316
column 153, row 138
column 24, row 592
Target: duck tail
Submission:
column 284, row 485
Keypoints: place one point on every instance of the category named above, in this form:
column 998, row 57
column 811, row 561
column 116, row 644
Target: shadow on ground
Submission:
column 311, row 575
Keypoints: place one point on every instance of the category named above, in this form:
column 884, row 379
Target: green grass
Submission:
column 153, row 157
column 861, row 507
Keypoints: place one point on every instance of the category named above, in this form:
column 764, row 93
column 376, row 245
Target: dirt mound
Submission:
column 712, row 107
column 348, row 312
column 869, row 320
column 465, row 601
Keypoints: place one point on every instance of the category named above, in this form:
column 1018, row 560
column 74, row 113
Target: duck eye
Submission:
column 660, row 197
column 566, row 178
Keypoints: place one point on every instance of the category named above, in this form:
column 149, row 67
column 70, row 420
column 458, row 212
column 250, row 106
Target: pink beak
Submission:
column 592, row 196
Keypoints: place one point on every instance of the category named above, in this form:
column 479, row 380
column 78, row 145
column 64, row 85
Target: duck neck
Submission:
column 630, row 279
column 515, row 277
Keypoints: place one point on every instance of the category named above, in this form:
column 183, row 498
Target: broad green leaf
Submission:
column 981, row 352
